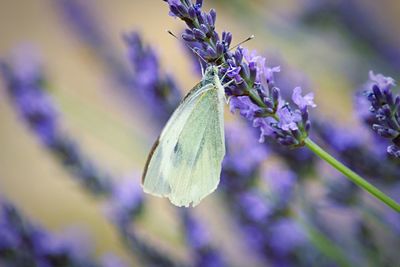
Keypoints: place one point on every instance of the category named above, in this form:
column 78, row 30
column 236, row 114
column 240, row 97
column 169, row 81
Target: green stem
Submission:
column 357, row 179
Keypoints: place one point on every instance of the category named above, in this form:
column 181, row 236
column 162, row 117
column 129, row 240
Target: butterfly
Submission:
column 184, row 164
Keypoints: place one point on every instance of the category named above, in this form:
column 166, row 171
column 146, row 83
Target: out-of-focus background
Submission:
column 329, row 45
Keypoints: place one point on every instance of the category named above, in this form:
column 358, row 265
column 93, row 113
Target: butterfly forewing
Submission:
column 185, row 163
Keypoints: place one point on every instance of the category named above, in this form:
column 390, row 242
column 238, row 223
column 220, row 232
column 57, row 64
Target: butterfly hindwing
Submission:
column 185, row 163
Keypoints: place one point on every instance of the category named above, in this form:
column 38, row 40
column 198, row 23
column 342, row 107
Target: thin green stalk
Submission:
column 357, row 179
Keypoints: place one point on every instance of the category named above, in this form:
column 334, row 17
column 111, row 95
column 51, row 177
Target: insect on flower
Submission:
column 185, row 162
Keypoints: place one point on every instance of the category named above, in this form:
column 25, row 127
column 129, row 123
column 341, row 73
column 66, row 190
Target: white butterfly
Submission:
column 185, row 162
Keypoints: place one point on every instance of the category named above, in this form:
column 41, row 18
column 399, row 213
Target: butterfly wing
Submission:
column 185, row 163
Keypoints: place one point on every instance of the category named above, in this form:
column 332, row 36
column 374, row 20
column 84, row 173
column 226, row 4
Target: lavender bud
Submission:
column 307, row 126
column 253, row 71
column 211, row 52
column 192, row 13
column 268, row 102
column 215, row 37
column 174, row 10
column 204, row 28
column 199, row 34
column 188, row 37
column 287, row 141
column 210, row 22
column 304, row 115
column 377, row 92
column 228, row 39
column 238, row 56
column 297, row 134
column 389, row 98
column 199, row 3
column 220, row 48
column 384, row 132
column 213, row 15
column 245, row 70
column 275, row 95
column 182, row 10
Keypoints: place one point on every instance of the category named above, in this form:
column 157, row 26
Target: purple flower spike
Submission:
column 251, row 82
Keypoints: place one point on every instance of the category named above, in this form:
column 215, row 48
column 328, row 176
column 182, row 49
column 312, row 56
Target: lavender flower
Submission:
column 199, row 239
column 285, row 237
column 281, row 184
column 23, row 243
column 159, row 92
column 351, row 146
column 239, row 170
column 385, row 107
column 89, row 28
column 26, row 86
column 126, row 201
column 251, row 86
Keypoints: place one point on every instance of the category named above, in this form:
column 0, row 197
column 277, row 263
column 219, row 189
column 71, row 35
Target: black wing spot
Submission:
column 177, row 148
column 177, row 156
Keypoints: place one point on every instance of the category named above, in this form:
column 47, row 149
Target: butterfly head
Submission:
column 210, row 74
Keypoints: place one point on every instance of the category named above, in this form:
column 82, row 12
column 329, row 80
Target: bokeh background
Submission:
column 328, row 45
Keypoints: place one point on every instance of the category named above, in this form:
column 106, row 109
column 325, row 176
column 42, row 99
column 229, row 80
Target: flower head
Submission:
column 159, row 92
column 251, row 81
column 126, row 201
column 384, row 107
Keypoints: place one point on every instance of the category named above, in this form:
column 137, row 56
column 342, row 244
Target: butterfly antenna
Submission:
column 191, row 48
column 251, row 37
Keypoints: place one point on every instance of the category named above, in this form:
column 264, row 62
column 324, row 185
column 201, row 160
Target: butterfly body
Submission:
column 185, row 162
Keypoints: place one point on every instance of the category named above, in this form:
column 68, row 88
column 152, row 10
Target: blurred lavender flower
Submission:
column 26, row 86
column 126, row 201
column 251, row 86
column 354, row 18
column 198, row 239
column 281, row 184
column 79, row 15
column 254, row 206
column 239, row 169
column 350, row 145
column 285, row 237
column 25, row 244
column 110, row 260
column 385, row 108
column 159, row 92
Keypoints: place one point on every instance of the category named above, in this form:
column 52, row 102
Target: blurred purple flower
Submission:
column 111, row 260
column 285, row 237
column 353, row 146
column 84, row 22
column 281, row 183
column 23, row 243
column 159, row 92
column 243, row 157
column 255, row 207
column 199, row 239
column 126, row 201
column 26, row 88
